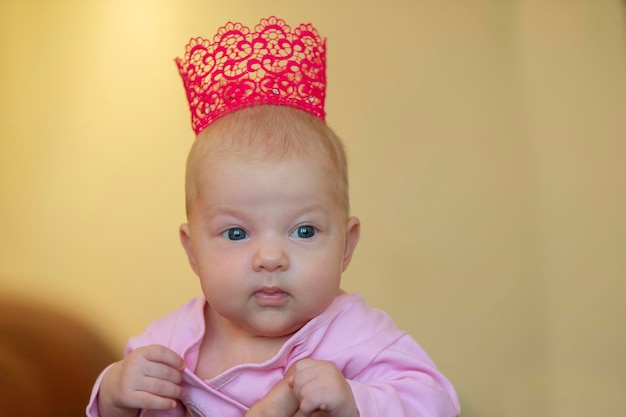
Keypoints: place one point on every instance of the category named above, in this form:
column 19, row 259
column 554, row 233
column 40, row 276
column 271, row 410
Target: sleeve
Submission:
column 403, row 382
column 92, row 407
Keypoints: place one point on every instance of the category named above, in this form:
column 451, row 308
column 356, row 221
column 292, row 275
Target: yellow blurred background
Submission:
column 487, row 160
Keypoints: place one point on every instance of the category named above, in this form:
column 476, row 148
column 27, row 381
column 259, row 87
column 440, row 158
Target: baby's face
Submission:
column 269, row 241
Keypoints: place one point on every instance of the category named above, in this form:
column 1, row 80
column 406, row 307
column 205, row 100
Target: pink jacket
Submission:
column 389, row 373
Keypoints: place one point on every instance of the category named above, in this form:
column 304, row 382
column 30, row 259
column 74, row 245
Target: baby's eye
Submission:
column 304, row 232
column 235, row 233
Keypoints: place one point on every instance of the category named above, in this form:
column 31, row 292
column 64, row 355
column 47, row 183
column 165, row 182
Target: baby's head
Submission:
column 269, row 232
column 270, row 133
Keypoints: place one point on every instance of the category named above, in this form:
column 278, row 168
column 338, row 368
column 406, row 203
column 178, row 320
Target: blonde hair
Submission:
column 270, row 132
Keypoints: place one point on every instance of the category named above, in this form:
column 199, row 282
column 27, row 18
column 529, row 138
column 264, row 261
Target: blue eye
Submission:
column 235, row 233
column 304, row 232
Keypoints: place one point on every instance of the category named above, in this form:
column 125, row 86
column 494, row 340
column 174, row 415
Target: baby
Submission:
column 269, row 234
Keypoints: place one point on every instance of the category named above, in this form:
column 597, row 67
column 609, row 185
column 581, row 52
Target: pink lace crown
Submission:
column 272, row 64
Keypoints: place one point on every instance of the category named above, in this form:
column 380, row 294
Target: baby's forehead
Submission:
column 219, row 157
column 263, row 145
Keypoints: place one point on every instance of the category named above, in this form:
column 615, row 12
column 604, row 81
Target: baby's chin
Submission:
column 275, row 329
column 280, row 327
column 279, row 332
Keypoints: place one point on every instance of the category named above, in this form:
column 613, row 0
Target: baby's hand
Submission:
column 321, row 389
column 281, row 401
column 148, row 378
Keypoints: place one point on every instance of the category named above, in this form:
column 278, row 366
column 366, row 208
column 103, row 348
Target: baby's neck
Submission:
column 223, row 349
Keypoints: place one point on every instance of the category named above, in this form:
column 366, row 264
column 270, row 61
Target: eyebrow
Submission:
column 236, row 211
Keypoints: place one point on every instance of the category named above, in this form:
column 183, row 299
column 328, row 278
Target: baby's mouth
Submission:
column 271, row 296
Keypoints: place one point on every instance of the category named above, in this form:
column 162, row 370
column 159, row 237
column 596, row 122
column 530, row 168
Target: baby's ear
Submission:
column 185, row 239
column 353, row 231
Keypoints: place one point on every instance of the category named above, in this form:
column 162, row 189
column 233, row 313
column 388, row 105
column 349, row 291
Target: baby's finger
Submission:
column 162, row 354
column 297, row 369
column 160, row 388
column 149, row 401
column 301, row 413
column 305, row 376
column 279, row 401
column 163, row 372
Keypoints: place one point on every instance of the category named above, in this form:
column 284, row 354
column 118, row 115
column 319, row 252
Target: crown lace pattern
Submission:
column 269, row 64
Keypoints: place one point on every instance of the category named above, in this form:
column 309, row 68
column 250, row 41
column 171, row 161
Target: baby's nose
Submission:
column 270, row 256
